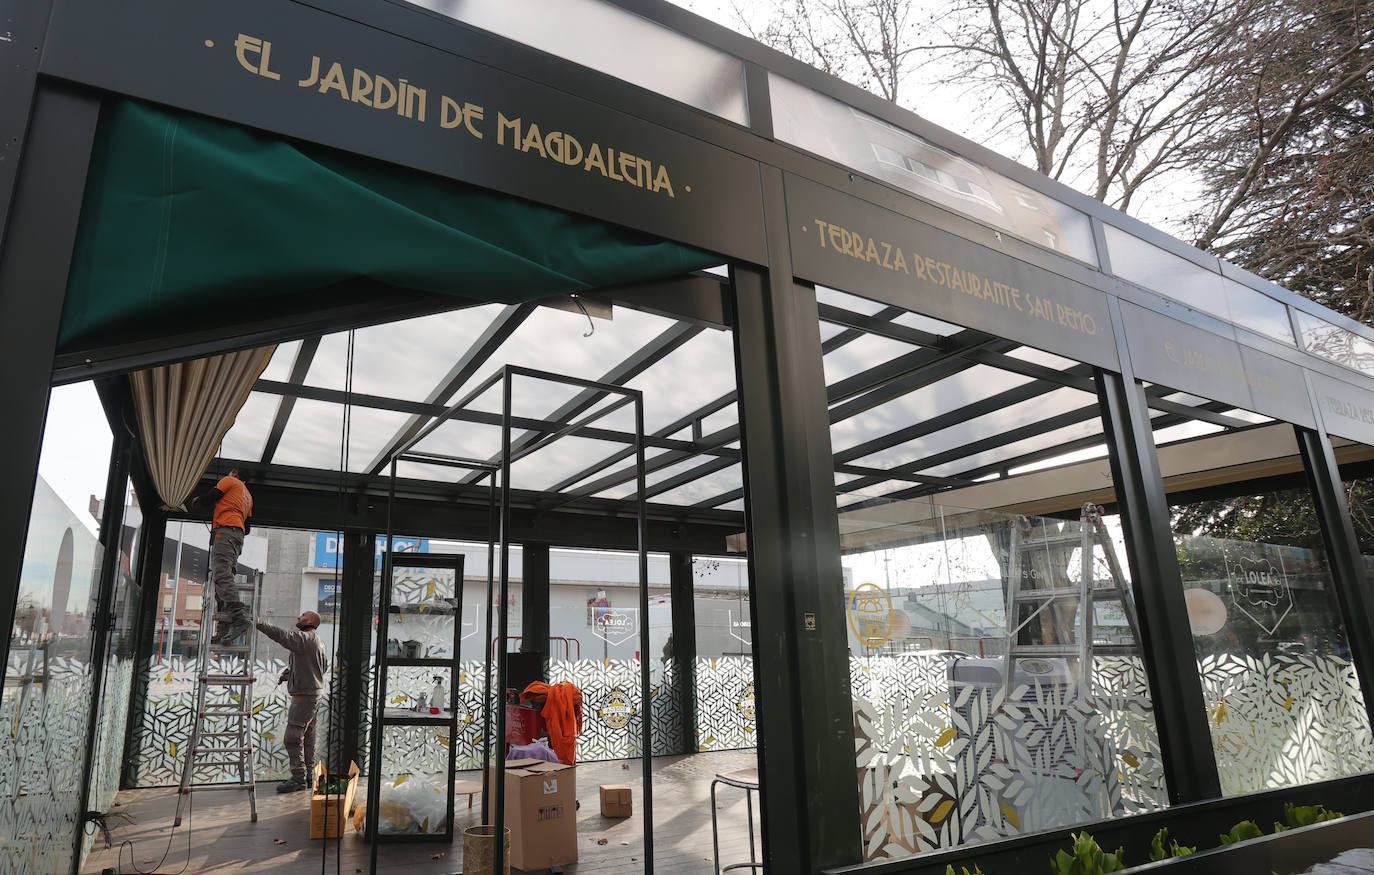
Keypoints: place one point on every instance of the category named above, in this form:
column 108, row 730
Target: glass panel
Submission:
column 997, row 686
column 414, row 774
column 389, row 362
column 292, row 582
column 248, row 435
column 1284, row 703
column 1335, row 343
column 617, row 43
column 1258, row 312
column 829, row 128
column 960, row 741
column 1198, row 287
column 1178, row 278
column 47, row 692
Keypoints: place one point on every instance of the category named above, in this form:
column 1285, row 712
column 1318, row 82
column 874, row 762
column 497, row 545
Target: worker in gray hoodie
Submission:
column 305, row 669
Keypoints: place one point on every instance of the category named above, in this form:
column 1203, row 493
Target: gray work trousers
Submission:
column 300, row 735
column 226, row 543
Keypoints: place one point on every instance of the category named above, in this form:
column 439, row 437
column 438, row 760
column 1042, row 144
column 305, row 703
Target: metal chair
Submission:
column 748, row 781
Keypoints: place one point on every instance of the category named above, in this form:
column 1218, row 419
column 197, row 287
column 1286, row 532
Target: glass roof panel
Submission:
column 846, row 301
column 279, row 368
column 1048, row 440
column 722, row 481
column 313, row 433
column 997, row 422
column 248, row 435
column 827, row 127
column 925, row 323
column 1042, row 358
column 553, row 462
column 552, row 340
column 1183, row 431
column 965, row 387
column 862, row 353
column 627, row 490
column 403, row 359
column 721, row 419
column 466, row 440
column 691, row 376
column 618, row 43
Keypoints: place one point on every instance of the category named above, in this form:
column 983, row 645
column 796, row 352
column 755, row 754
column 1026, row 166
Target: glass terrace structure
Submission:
column 943, row 440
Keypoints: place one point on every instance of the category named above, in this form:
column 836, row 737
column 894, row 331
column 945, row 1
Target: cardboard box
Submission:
column 329, row 814
column 615, row 801
column 541, row 813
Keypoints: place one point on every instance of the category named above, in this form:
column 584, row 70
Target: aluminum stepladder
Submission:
column 1070, row 643
column 222, row 724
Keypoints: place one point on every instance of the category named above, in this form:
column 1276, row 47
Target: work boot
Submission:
column 231, row 630
column 291, row 785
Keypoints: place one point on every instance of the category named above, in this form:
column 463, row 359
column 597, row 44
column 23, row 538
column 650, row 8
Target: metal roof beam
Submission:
column 299, row 369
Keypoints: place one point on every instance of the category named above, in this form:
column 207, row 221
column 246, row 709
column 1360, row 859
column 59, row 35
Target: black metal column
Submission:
column 1166, row 645
column 684, row 643
column 358, row 559
column 111, row 532
column 1343, row 552
column 810, row 797
column 148, row 578
column 34, row 258
column 534, row 608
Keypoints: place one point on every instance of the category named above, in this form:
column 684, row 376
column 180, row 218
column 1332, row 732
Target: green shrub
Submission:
column 1161, row 848
column 963, row 870
column 1304, row 815
column 1087, row 858
column 1241, row 832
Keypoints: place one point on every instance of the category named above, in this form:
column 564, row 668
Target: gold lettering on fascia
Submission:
column 1206, row 363
column 891, row 257
column 1350, row 410
column 408, row 100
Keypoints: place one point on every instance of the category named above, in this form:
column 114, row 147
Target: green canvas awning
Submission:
column 187, row 221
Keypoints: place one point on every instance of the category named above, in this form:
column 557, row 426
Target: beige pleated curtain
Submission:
column 184, row 411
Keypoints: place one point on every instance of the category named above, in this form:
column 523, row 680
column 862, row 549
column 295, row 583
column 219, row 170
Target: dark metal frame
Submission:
column 49, row 130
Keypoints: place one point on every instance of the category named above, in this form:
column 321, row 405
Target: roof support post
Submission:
column 1343, row 552
column 810, row 798
column 534, row 608
column 34, row 259
column 359, row 558
column 1166, row 645
column 148, row 584
column 683, row 604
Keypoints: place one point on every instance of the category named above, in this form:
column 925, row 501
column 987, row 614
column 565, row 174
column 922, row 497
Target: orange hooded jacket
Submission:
column 562, row 713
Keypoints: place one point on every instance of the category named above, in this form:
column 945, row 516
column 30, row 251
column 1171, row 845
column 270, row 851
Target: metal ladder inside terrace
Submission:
column 1024, row 573
column 222, row 724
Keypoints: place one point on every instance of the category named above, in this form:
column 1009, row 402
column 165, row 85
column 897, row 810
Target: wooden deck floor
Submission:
column 218, row 837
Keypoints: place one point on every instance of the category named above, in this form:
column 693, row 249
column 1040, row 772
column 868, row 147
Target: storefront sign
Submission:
column 1259, row 589
column 847, row 244
column 1190, row 359
column 327, row 548
column 303, row 72
column 1347, row 411
column 616, row 625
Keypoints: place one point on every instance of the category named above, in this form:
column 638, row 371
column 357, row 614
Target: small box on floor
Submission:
column 615, row 801
column 541, row 812
column 329, row 811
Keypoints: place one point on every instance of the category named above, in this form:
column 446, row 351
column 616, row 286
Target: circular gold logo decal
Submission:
column 616, row 712
column 870, row 614
column 746, row 703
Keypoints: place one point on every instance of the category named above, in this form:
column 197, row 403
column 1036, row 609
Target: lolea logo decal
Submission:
column 1259, row 590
